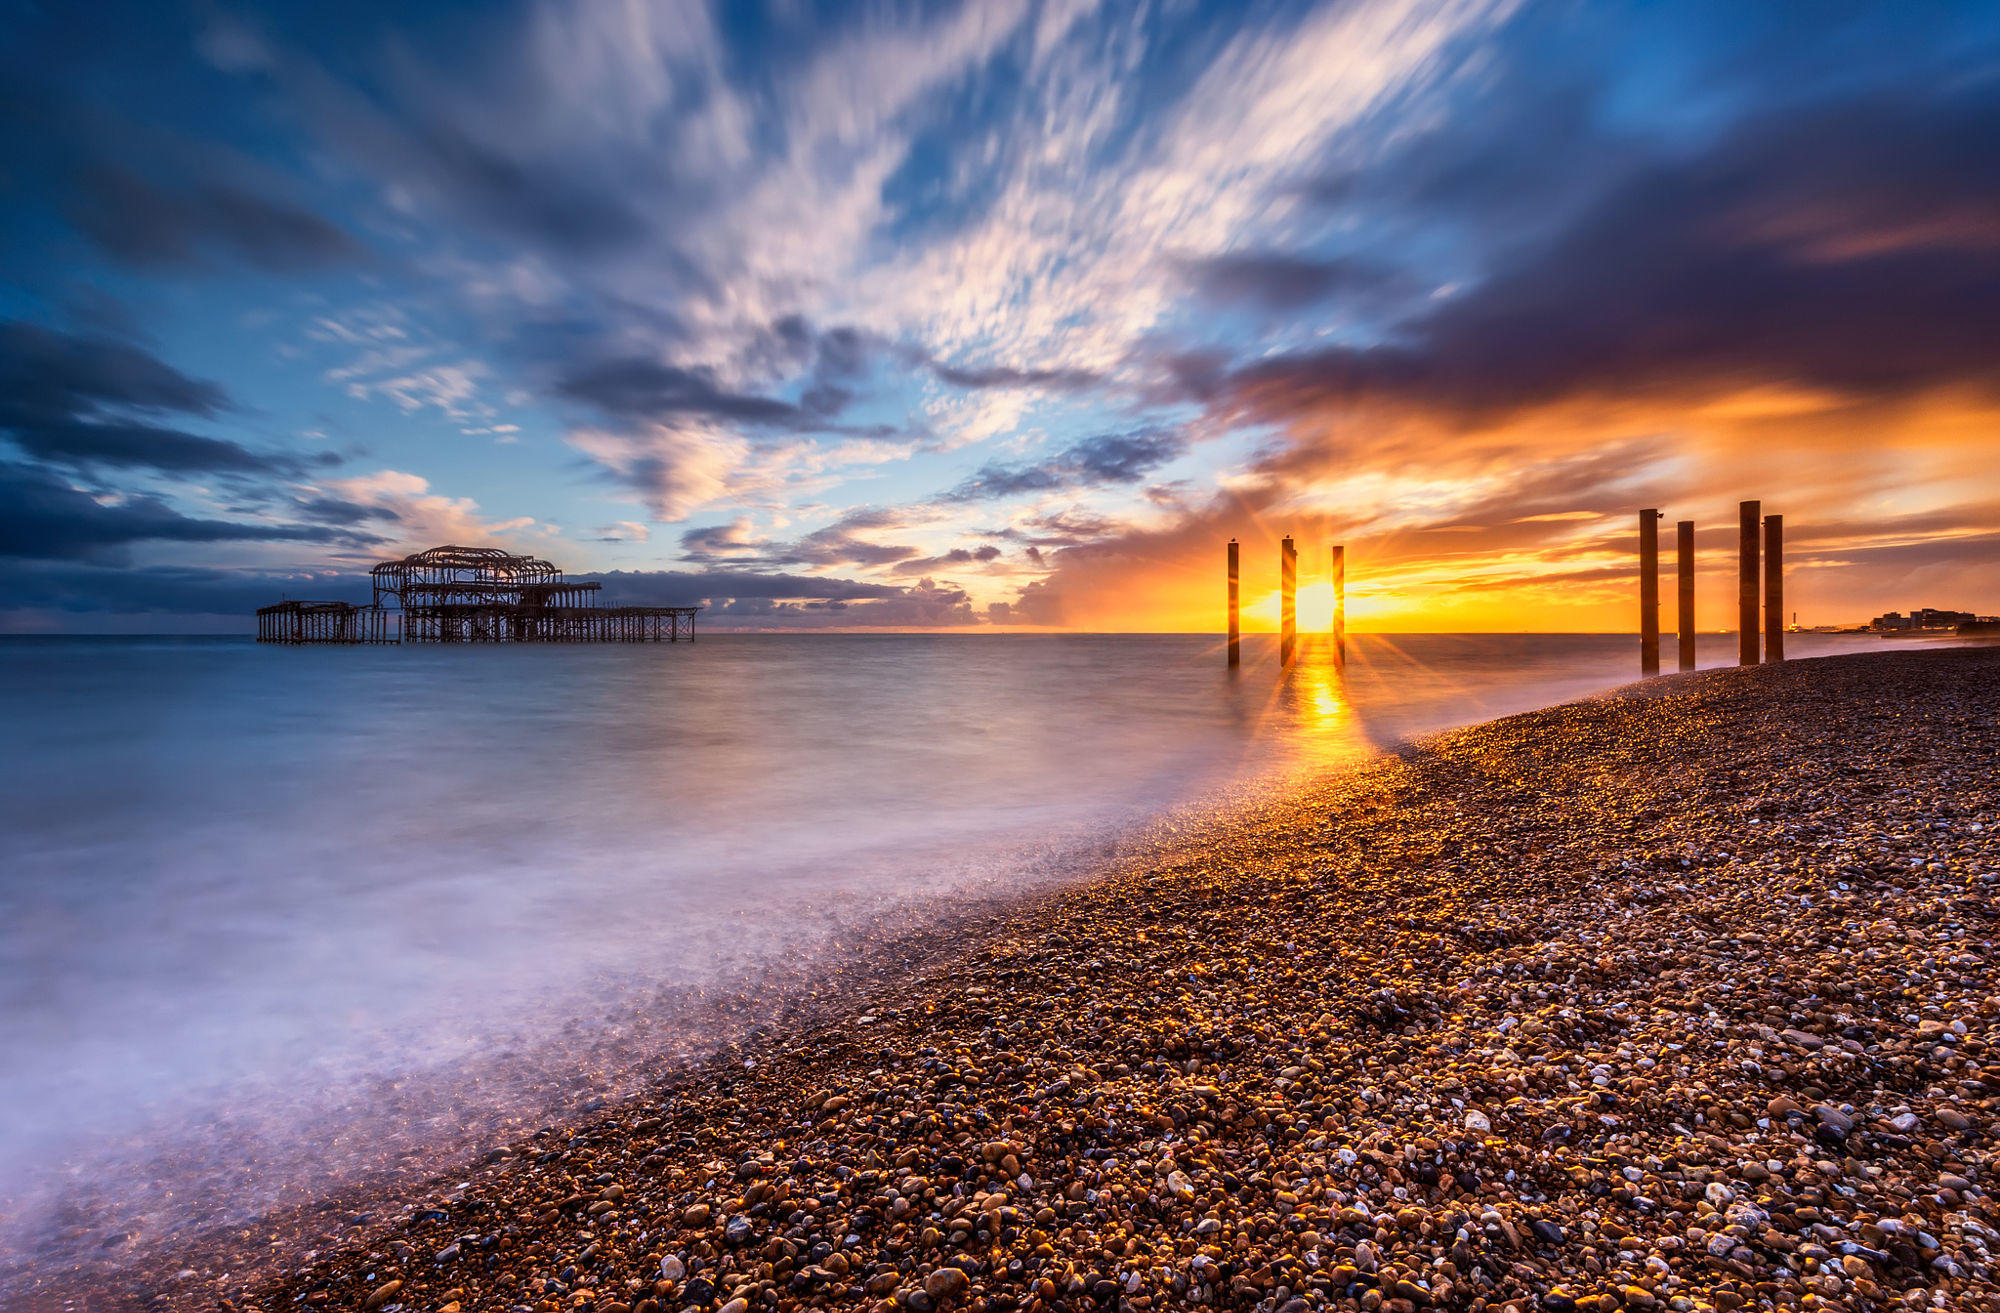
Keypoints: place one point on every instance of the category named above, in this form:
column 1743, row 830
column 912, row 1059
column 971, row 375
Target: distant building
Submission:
column 1923, row 618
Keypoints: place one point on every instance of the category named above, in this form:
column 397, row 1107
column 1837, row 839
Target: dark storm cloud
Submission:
column 839, row 543
column 71, row 400
column 146, row 222
column 957, row 556
column 79, row 588
column 1004, row 376
column 43, row 518
column 1855, row 248
column 1272, row 281
column 338, row 510
column 153, row 198
column 637, row 388
column 792, row 599
column 1107, row 458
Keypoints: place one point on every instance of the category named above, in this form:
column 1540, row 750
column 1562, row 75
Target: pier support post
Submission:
column 1774, row 588
column 1649, row 593
column 1340, row 606
column 1288, row 608
column 1235, row 614
column 1746, row 584
column 1684, row 550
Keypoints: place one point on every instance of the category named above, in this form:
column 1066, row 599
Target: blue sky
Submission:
column 994, row 313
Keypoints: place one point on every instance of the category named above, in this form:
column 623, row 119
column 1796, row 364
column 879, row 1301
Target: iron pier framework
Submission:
column 322, row 622
column 479, row 595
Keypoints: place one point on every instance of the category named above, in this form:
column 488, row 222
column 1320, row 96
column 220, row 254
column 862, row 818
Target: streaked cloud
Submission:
column 1008, row 309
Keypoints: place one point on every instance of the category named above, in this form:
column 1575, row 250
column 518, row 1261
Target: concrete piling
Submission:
column 1774, row 588
column 1684, row 551
column 1235, row 608
column 1340, row 605
column 1747, row 584
column 1288, row 607
column 1649, row 593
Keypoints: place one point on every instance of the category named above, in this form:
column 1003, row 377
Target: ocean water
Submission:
column 274, row 920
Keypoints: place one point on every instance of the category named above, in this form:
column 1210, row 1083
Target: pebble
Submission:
column 1527, row 1016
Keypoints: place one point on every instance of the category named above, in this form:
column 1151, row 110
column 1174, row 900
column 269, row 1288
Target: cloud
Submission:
column 421, row 518
column 769, row 599
column 72, row 588
column 154, row 198
column 649, row 390
column 147, row 222
column 1271, row 281
column 675, row 468
column 85, row 401
column 957, row 556
column 43, row 518
column 1851, row 248
column 1107, row 458
column 845, row 542
column 1003, row 376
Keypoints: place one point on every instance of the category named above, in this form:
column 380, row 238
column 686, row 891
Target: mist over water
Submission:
column 274, row 919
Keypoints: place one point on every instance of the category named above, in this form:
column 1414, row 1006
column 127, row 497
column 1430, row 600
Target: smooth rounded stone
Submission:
column 672, row 1269
column 945, row 1283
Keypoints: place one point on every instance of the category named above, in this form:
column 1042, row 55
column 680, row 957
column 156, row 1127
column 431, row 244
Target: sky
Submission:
column 999, row 314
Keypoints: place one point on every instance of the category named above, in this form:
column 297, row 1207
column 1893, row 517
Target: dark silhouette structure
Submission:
column 1749, row 521
column 474, row 595
column 1684, row 547
column 1235, row 619
column 1649, row 592
column 1288, row 606
column 1760, row 586
column 322, row 622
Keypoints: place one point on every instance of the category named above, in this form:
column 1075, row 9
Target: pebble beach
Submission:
column 1680, row 998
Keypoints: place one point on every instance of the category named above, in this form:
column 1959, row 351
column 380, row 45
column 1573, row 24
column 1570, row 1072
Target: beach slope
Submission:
column 1680, row 998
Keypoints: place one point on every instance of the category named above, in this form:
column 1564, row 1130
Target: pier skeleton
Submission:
column 457, row 594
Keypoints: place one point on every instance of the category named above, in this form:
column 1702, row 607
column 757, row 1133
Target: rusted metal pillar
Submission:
column 1746, row 584
column 1235, row 612
column 1340, row 605
column 1684, row 545
column 1774, row 588
column 1288, row 608
column 1649, row 593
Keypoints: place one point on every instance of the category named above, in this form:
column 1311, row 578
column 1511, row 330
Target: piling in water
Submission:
column 1649, row 593
column 1774, row 588
column 1235, row 615
column 1684, row 543
column 1340, row 606
column 1288, row 609
column 1746, row 585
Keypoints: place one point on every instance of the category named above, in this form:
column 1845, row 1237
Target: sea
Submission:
column 276, row 922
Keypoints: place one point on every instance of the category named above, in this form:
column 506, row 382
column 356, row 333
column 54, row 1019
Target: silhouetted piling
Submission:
column 1235, row 613
column 1684, row 545
column 1746, row 584
column 1649, row 593
column 1340, row 605
column 1774, row 588
column 1288, row 609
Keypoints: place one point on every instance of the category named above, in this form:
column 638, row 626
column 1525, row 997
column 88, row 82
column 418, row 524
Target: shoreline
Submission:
column 1459, row 973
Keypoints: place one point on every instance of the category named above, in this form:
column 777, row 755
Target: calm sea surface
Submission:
column 248, row 894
